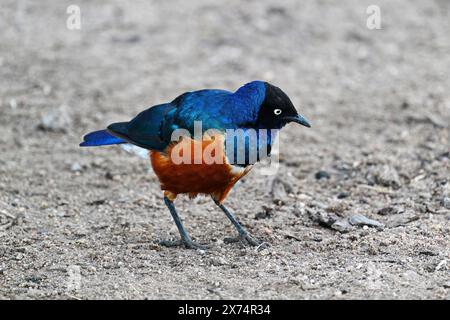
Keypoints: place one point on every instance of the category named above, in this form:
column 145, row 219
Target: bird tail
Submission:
column 100, row 138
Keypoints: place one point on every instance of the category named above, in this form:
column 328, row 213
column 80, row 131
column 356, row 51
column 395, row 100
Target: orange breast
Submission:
column 193, row 167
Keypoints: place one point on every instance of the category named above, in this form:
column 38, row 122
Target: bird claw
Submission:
column 246, row 238
column 250, row 240
column 189, row 244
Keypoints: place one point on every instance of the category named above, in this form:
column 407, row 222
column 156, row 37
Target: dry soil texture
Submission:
column 85, row 223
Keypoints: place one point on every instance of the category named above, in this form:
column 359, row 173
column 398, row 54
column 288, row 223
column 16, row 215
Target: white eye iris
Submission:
column 277, row 111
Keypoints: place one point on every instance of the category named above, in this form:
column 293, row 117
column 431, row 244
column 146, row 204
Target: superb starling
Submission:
column 255, row 107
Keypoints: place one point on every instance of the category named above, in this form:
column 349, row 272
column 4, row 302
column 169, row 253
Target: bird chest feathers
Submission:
column 197, row 166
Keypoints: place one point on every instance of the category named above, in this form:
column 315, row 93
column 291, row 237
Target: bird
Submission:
column 257, row 106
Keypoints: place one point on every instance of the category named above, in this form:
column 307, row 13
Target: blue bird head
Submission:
column 264, row 106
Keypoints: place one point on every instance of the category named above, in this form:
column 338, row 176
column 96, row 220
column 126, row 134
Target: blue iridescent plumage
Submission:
column 216, row 109
column 100, row 138
column 250, row 107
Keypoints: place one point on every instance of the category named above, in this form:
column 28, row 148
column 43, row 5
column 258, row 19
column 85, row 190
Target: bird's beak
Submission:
column 298, row 119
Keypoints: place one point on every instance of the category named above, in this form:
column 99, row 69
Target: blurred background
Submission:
column 378, row 100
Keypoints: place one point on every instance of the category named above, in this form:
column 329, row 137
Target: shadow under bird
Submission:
column 257, row 106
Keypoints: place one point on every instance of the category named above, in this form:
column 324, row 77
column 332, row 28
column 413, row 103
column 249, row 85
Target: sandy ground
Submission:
column 85, row 223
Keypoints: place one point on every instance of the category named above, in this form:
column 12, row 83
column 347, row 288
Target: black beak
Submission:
column 298, row 119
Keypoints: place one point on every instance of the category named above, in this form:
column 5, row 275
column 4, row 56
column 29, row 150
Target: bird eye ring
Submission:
column 277, row 111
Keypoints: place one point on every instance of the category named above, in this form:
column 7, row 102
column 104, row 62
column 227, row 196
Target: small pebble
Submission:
column 263, row 215
column 445, row 202
column 360, row 220
column 279, row 191
column 322, row 174
column 343, row 195
column 387, row 176
column 13, row 103
column 218, row 261
column 75, row 167
column 341, row 225
column 388, row 211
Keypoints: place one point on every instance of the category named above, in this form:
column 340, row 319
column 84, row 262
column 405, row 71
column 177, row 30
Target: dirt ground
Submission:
column 86, row 223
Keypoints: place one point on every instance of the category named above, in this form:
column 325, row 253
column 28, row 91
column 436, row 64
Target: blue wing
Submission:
column 152, row 129
column 145, row 129
column 220, row 109
column 216, row 109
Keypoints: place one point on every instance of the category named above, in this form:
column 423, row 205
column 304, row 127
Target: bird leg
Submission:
column 185, row 239
column 243, row 233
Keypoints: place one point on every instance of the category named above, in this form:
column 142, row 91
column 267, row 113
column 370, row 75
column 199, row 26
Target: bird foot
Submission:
column 189, row 244
column 246, row 238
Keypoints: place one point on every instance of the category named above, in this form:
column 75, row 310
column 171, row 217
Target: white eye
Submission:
column 277, row 111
